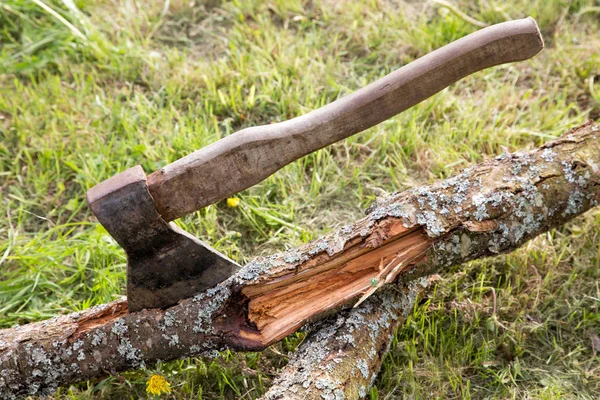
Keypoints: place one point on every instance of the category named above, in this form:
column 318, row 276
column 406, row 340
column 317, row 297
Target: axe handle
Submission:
column 247, row 157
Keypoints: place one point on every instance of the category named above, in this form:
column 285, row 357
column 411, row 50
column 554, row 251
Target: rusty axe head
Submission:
column 164, row 263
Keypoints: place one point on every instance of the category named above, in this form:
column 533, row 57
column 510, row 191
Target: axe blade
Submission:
column 165, row 264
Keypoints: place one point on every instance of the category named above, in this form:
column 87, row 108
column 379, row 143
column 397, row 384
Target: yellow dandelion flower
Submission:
column 233, row 202
column 157, row 384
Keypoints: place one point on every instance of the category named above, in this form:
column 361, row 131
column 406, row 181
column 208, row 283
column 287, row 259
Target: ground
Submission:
column 89, row 88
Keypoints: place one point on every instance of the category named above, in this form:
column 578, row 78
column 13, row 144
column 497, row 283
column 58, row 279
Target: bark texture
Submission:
column 342, row 355
column 490, row 208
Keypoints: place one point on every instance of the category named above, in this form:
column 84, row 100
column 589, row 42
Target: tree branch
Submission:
column 490, row 208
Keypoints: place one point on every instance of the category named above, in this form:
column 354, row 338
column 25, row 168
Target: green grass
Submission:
column 111, row 84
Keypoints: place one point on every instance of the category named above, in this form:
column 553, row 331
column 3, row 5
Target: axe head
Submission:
column 164, row 263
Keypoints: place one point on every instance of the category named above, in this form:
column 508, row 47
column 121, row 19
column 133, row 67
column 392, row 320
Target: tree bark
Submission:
column 341, row 356
column 488, row 209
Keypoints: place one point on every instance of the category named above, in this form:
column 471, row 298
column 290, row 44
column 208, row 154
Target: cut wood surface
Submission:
column 341, row 356
column 487, row 209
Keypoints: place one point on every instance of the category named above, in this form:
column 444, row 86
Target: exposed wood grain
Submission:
column 245, row 158
column 283, row 310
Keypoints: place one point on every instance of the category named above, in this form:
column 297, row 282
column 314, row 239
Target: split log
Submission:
column 488, row 209
column 341, row 356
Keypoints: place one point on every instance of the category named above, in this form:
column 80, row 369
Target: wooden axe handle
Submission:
column 245, row 158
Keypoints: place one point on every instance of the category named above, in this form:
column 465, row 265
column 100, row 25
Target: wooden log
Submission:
column 487, row 209
column 341, row 356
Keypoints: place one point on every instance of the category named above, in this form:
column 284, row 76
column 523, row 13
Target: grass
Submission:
column 89, row 88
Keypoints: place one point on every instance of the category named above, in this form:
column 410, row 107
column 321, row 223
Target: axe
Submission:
column 166, row 264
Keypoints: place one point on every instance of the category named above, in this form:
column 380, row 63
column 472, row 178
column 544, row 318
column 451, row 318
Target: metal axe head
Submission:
column 164, row 263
